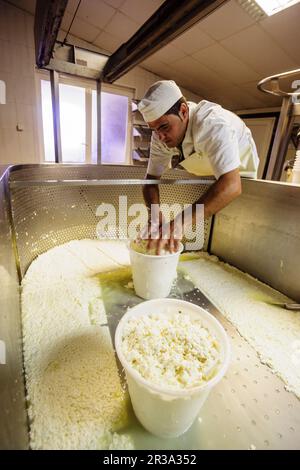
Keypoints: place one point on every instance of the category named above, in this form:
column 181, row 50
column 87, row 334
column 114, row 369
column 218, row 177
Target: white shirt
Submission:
column 216, row 141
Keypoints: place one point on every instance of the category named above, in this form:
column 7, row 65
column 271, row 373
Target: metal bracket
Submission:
column 274, row 80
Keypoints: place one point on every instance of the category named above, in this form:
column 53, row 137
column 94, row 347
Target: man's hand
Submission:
column 154, row 223
column 166, row 236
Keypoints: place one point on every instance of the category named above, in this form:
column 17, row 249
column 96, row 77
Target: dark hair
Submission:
column 176, row 107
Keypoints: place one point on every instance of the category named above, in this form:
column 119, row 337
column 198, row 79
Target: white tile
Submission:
column 9, row 146
column 140, row 11
column 168, row 54
column 193, row 40
column 267, row 99
column 72, row 6
column 5, row 56
column 229, row 98
column 24, row 90
column 16, row 26
column 29, row 31
column 3, row 22
column 22, row 61
column 225, row 21
column 129, row 80
column 107, row 41
column 121, row 26
column 31, row 57
column 8, row 78
column 218, row 59
column 96, row 13
column 225, row 102
column 25, row 117
column 255, row 47
column 160, row 69
column 149, row 62
column 198, row 73
column 66, row 21
column 27, row 147
column 239, row 98
column 284, row 29
column 114, row 3
column 27, row 5
column 80, row 28
column 8, row 116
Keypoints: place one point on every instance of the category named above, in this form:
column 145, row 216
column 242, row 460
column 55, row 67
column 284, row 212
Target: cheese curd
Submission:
column 170, row 350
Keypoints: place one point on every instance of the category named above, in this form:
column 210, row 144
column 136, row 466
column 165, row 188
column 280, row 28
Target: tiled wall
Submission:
column 17, row 71
column 19, row 141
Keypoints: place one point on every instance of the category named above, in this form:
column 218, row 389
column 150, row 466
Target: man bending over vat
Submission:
column 207, row 140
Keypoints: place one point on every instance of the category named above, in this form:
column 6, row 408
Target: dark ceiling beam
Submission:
column 168, row 22
column 48, row 16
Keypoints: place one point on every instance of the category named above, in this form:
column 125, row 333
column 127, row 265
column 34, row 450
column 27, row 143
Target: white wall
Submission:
column 17, row 70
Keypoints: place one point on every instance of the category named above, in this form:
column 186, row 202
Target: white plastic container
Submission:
column 153, row 275
column 163, row 411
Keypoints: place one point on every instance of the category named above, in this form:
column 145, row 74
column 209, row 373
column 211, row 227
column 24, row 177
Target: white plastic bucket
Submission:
column 153, row 275
column 163, row 411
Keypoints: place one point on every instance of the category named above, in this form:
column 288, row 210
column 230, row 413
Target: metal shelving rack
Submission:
column 141, row 137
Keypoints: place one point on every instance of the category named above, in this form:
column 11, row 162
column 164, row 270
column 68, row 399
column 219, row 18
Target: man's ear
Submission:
column 183, row 111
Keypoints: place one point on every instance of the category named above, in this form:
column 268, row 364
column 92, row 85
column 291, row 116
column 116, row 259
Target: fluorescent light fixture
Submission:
column 271, row 7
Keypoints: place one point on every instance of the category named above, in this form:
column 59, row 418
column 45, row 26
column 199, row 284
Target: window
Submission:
column 114, row 127
column 78, row 122
column 72, row 123
column 47, row 121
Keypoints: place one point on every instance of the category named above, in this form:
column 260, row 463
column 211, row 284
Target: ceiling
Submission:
column 221, row 58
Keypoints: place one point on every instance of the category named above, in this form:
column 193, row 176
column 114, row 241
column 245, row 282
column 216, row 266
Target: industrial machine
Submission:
column 44, row 206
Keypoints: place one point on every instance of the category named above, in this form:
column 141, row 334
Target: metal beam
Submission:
column 63, row 66
column 56, row 115
column 280, row 143
column 48, row 16
column 168, row 22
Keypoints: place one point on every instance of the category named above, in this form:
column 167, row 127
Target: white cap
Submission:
column 160, row 97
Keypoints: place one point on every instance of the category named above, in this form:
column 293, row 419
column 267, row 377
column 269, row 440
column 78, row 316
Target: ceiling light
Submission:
column 275, row 6
column 259, row 9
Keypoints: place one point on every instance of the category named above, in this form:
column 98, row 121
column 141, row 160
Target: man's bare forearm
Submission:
column 220, row 194
column 151, row 193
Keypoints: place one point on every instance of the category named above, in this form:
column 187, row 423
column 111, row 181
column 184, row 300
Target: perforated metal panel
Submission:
column 52, row 204
column 249, row 409
column 13, row 419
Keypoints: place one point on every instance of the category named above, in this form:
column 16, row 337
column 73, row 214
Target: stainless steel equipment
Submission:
column 289, row 116
column 43, row 206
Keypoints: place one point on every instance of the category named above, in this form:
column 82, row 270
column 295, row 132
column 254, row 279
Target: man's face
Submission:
column 170, row 128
